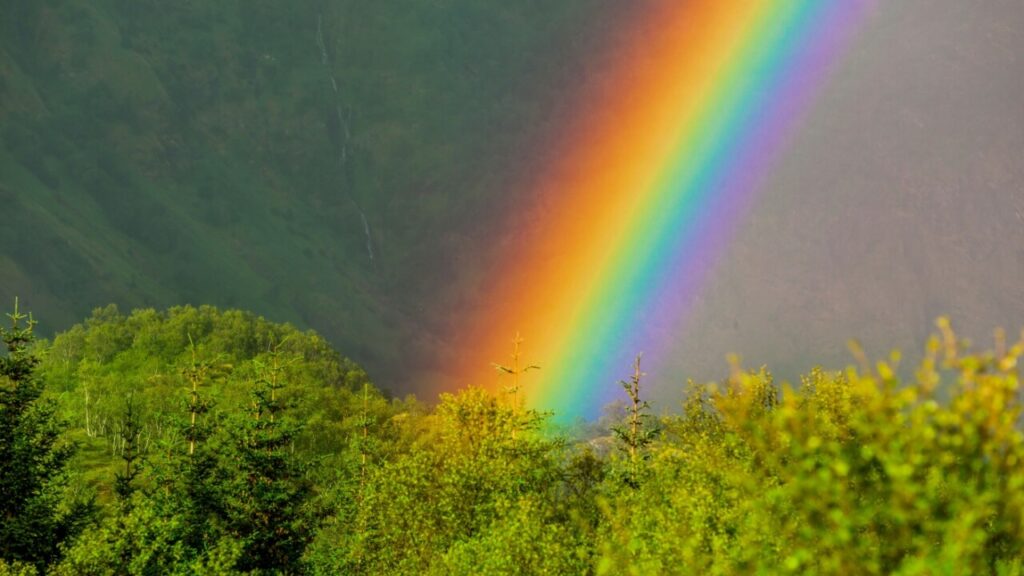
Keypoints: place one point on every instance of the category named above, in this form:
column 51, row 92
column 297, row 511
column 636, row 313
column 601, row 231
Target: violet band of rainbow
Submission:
column 630, row 220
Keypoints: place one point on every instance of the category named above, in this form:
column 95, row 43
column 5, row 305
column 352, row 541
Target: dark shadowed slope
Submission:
column 331, row 164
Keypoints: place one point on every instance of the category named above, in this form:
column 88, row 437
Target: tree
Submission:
column 635, row 434
column 198, row 474
column 176, row 525
column 33, row 457
column 269, row 510
column 515, row 370
column 129, row 432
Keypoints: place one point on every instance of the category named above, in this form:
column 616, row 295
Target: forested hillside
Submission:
column 291, row 158
column 195, row 441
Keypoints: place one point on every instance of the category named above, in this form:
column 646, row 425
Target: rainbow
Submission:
column 651, row 178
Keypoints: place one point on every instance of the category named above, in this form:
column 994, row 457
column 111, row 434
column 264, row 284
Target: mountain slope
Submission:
column 286, row 158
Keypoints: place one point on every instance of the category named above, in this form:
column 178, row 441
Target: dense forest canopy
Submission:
column 199, row 441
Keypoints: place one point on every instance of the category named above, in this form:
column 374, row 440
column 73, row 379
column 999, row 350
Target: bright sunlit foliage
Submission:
column 214, row 442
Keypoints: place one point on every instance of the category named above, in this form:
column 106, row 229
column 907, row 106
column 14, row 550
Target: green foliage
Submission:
column 158, row 357
column 130, row 432
column 150, row 540
column 35, row 512
column 216, row 475
column 300, row 466
column 466, row 477
column 853, row 472
column 528, row 539
column 16, row 568
column 636, row 433
column 268, row 493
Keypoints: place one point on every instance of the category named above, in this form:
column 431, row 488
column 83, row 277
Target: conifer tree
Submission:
column 515, row 370
column 33, row 457
column 130, row 430
column 195, row 488
column 635, row 434
column 177, row 525
column 270, row 510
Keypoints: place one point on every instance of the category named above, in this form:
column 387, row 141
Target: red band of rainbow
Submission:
column 666, row 155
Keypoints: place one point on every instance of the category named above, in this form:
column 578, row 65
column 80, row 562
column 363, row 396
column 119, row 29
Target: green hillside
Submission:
column 331, row 164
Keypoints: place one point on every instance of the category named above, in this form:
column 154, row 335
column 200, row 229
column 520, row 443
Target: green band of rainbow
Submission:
column 667, row 154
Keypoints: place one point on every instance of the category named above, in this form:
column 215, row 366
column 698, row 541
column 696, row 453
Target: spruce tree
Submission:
column 270, row 509
column 129, row 433
column 198, row 473
column 33, row 457
column 635, row 434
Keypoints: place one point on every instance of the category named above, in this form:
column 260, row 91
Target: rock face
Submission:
column 343, row 166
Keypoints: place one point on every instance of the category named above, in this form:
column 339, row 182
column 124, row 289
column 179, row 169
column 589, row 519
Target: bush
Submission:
column 853, row 472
